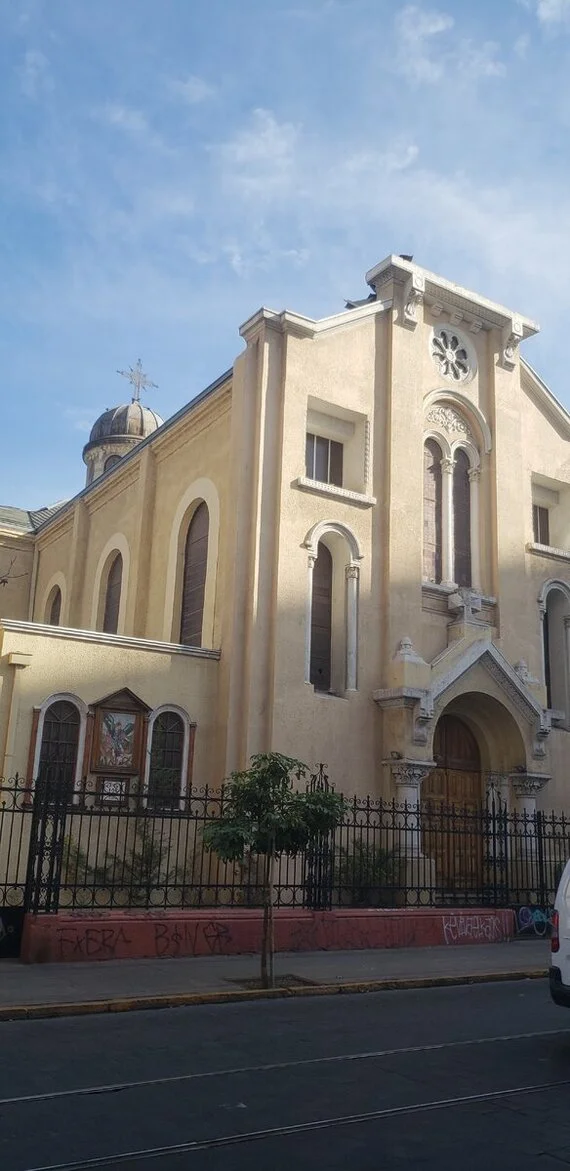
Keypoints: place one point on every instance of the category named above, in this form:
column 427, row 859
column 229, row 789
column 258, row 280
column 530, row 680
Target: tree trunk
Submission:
column 267, row 898
column 271, row 923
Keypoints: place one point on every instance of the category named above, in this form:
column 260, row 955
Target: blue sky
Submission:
column 167, row 166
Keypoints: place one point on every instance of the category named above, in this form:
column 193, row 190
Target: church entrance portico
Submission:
column 472, row 801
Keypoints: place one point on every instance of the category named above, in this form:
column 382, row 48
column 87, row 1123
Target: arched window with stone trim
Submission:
column 165, row 778
column 321, row 620
column 456, row 433
column 331, row 632
column 461, row 519
column 432, row 551
column 59, row 746
column 555, row 610
column 113, row 596
column 194, row 578
column 53, row 608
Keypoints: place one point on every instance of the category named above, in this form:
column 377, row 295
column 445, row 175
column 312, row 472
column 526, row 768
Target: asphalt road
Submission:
column 470, row 1077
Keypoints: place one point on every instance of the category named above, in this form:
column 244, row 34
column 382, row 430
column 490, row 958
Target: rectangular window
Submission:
column 323, row 460
column 540, row 525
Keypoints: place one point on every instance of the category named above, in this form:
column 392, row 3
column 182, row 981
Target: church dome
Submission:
column 130, row 420
column 119, row 429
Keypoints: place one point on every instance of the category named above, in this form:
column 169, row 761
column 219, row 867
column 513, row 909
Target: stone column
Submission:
column 407, row 777
column 10, row 760
column 417, row 873
column 474, row 476
column 525, row 878
column 543, row 619
column 309, row 616
column 526, row 787
column 447, row 567
column 77, row 610
column 567, row 665
column 352, row 579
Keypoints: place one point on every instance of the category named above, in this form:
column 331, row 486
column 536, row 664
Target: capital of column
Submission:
column 352, row 571
column 447, row 465
column 311, row 558
column 529, row 784
column 474, row 475
column 410, row 773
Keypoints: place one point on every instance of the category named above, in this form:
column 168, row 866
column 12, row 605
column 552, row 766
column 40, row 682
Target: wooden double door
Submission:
column 451, row 809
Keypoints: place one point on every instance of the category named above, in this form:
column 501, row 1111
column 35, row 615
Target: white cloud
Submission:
column 259, row 158
column 521, row 46
column 125, row 118
column 416, row 28
column 35, row 77
column 480, row 62
column 425, row 56
column 192, row 90
column 553, row 11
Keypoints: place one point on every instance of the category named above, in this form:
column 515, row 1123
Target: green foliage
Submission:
column 264, row 814
column 364, row 871
column 140, row 871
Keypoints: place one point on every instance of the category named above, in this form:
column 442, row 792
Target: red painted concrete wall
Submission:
column 96, row 935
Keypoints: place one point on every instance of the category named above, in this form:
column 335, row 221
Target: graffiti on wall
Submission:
column 534, row 921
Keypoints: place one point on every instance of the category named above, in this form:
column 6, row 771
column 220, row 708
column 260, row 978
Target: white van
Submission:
column 559, row 972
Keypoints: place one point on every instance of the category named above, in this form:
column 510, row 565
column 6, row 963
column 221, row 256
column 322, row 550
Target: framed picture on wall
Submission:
column 117, row 741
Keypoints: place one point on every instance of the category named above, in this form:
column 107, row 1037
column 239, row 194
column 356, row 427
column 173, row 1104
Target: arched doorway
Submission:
column 452, row 802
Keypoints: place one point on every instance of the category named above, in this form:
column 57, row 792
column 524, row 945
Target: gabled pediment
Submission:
column 450, row 667
column 123, row 700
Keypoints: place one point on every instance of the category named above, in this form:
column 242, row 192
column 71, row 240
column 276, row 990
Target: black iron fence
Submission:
column 113, row 848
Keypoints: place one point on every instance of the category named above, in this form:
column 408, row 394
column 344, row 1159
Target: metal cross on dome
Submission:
column 138, row 380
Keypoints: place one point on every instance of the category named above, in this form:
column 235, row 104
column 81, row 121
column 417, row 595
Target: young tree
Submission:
column 264, row 814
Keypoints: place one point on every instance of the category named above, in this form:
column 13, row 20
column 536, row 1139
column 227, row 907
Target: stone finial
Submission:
column 405, row 652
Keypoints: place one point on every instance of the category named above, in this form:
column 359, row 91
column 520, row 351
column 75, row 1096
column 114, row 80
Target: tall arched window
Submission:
column 166, row 758
column 54, row 607
column 432, row 512
column 321, row 620
column 194, row 578
column 461, row 519
column 58, row 751
column 113, row 596
column 556, row 667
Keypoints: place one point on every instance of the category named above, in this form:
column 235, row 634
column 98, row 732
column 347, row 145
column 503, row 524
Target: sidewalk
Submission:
column 32, row 991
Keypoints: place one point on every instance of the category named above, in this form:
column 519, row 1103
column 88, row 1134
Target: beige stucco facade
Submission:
column 403, row 650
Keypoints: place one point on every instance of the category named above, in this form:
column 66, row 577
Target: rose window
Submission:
column 450, row 355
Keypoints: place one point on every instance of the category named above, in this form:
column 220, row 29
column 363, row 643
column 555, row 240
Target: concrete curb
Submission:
column 31, row 1012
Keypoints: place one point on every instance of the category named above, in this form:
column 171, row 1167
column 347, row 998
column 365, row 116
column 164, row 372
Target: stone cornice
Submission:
column 332, row 491
column 467, row 307
column 549, row 551
column 14, row 534
column 295, row 323
column 394, row 697
column 11, row 626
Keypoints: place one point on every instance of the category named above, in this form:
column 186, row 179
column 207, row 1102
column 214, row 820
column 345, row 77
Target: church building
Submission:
column 353, row 547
